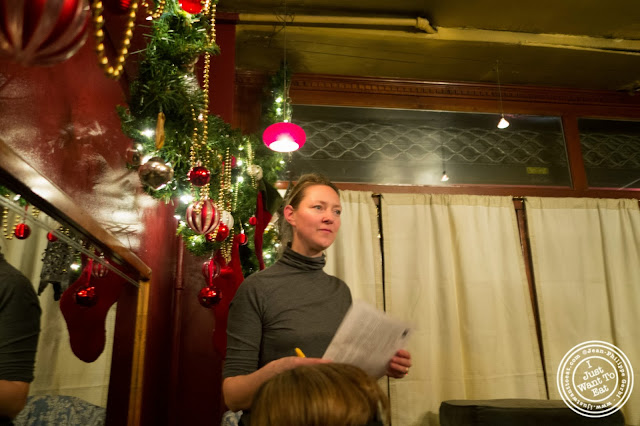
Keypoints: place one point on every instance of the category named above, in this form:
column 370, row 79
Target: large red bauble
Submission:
column 42, row 32
column 199, row 176
column 209, row 297
column 118, row 7
column 22, row 231
column 223, row 232
column 202, row 217
column 191, row 6
column 86, row 297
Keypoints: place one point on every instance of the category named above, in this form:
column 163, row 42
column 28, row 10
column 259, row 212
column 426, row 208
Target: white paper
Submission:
column 367, row 338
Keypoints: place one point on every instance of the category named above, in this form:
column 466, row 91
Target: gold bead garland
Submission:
column 98, row 22
column 199, row 147
column 5, row 224
column 159, row 9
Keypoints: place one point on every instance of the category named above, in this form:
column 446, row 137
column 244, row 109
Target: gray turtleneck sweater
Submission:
column 292, row 304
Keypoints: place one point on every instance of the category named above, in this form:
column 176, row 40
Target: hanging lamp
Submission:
column 284, row 136
column 503, row 123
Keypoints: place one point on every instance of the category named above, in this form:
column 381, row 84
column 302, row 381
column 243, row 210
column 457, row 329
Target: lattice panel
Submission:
column 610, row 151
column 384, row 142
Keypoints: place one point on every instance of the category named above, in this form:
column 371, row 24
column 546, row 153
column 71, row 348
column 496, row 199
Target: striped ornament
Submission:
column 42, row 32
column 203, row 217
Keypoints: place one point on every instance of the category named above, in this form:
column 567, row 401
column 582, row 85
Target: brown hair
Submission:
column 295, row 195
column 320, row 395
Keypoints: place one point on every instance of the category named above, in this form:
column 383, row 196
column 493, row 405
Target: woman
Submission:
column 292, row 304
column 321, row 395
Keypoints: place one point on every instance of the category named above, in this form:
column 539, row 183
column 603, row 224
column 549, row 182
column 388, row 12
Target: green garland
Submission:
column 166, row 83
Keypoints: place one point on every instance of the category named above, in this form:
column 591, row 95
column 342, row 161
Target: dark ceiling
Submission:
column 590, row 44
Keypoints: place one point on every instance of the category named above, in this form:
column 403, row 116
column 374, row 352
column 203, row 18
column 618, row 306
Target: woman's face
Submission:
column 315, row 221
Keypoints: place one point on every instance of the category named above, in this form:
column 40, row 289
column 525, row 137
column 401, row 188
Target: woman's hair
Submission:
column 320, row 395
column 295, row 195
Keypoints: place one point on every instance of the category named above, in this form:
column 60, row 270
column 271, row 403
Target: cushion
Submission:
column 60, row 410
column 521, row 412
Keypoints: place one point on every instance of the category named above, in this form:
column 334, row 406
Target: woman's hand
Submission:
column 238, row 391
column 399, row 365
column 289, row 362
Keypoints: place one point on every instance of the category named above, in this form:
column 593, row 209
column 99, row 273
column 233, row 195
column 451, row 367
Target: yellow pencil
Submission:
column 300, row 353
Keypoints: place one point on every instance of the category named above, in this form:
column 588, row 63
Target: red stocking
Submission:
column 227, row 282
column 87, row 324
column 263, row 217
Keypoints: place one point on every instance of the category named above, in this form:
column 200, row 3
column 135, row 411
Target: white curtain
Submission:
column 454, row 268
column 355, row 255
column 57, row 371
column 586, row 258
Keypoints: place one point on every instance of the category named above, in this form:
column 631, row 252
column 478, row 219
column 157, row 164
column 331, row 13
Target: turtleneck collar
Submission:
column 303, row 263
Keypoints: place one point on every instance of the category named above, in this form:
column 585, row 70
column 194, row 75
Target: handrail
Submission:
column 24, row 179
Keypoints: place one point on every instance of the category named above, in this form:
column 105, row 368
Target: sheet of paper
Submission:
column 367, row 338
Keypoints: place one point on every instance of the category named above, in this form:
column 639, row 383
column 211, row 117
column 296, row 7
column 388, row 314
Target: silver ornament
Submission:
column 227, row 219
column 155, row 173
column 255, row 171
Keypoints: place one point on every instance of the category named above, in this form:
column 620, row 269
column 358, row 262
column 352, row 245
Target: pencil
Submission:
column 300, row 353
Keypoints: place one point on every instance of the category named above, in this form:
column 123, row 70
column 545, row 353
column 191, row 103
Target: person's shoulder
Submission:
column 12, row 279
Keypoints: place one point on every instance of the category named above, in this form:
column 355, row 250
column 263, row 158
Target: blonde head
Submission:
column 294, row 196
column 320, row 395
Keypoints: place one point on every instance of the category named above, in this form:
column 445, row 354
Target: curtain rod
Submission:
column 20, row 211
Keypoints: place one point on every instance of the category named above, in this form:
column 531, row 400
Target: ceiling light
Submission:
column 284, row 136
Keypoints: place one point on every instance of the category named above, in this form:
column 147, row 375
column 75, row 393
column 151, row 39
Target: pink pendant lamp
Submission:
column 284, row 136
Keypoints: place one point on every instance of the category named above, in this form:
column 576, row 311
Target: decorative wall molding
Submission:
column 303, row 85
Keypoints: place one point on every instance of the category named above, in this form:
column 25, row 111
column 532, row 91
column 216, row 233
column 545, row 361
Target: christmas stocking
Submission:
column 227, row 282
column 267, row 203
column 85, row 310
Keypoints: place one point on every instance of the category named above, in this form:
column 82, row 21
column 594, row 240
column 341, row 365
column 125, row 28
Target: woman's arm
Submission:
column 13, row 397
column 238, row 391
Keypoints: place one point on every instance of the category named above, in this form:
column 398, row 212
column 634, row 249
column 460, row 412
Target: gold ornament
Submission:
column 155, row 173
column 160, row 130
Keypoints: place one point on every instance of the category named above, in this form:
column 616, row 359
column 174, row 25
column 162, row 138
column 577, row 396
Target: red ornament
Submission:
column 202, row 217
column 86, row 296
column 191, row 6
column 199, row 176
column 253, row 221
column 51, row 237
column 118, row 7
column 42, row 32
column 22, row 231
column 99, row 270
column 210, row 271
column 223, row 232
column 209, row 297
column 242, row 238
